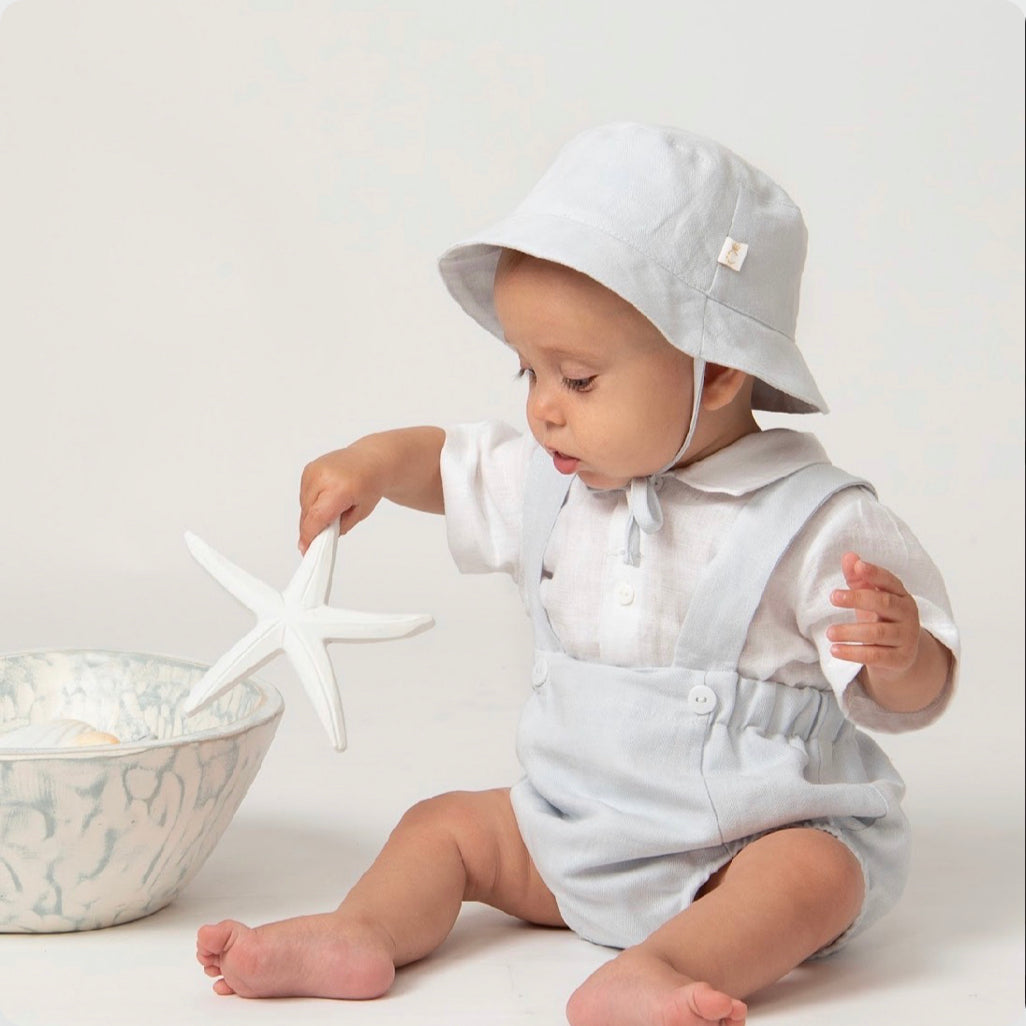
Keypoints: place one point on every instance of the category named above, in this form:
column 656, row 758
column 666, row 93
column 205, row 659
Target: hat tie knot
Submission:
column 644, row 510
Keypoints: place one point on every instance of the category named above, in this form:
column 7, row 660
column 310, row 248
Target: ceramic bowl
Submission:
column 101, row 835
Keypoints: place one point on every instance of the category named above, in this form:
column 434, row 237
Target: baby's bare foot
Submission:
column 638, row 989
column 309, row 956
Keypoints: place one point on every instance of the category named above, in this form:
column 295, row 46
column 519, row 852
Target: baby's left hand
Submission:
column 886, row 632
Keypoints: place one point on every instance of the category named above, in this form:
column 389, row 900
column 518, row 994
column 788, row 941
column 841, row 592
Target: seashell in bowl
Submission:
column 55, row 734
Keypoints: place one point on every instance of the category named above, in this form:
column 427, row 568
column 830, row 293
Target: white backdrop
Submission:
column 218, row 230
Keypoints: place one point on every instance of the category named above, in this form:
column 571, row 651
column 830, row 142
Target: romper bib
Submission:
column 641, row 782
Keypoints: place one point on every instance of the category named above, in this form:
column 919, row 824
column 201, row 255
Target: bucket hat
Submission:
column 706, row 246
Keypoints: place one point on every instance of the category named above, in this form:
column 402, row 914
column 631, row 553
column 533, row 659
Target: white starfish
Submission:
column 296, row 621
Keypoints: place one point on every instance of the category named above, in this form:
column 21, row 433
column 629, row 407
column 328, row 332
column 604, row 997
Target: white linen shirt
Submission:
column 603, row 609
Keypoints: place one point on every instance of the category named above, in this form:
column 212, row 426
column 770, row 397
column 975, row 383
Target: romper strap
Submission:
column 545, row 492
column 719, row 615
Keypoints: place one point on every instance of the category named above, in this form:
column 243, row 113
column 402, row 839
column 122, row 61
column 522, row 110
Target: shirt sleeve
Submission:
column 484, row 470
column 854, row 521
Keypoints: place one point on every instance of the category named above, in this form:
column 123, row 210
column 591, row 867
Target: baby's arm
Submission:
column 905, row 667
column 400, row 465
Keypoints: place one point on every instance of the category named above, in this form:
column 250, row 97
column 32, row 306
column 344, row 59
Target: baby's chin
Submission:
column 598, row 479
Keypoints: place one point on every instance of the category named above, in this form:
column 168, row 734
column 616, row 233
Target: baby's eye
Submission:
column 578, row 384
column 526, row 372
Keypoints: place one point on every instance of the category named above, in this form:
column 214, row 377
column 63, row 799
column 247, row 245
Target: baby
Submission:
column 717, row 610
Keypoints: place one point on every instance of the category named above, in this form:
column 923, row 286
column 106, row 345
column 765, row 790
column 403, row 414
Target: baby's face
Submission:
column 608, row 396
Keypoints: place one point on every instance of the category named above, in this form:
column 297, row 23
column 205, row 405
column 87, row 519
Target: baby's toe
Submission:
column 714, row 1005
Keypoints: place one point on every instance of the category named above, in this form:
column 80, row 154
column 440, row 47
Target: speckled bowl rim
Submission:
column 270, row 707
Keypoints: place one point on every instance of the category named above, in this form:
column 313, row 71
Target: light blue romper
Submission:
column 642, row 782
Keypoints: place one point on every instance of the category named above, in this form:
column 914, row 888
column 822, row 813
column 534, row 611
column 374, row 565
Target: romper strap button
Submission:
column 701, row 699
column 539, row 672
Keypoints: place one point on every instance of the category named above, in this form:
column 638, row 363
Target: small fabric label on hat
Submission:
column 733, row 254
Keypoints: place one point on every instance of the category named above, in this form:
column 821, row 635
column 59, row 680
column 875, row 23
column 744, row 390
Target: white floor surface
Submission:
column 952, row 953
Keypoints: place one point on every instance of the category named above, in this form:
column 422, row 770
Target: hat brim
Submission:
column 689, row 319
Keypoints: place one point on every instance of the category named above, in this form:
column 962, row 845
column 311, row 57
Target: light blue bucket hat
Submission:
column 706, row 246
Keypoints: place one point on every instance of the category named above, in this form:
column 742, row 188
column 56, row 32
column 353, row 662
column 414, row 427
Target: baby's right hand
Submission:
column 402, row 465
column 338, row 485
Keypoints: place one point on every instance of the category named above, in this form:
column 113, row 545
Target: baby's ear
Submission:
column 723, row 385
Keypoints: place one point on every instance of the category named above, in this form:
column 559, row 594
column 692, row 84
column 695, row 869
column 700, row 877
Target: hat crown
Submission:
column 676, row 197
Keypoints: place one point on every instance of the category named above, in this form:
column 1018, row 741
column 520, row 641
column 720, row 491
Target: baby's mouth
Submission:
column 563, row 463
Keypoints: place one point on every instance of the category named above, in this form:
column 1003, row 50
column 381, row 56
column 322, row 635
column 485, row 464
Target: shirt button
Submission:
column 625, row 594
column 701, row 700
column 539, row 673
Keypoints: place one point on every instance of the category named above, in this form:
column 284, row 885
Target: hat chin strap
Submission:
column 645, row 511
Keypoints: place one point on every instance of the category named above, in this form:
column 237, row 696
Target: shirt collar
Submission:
column 752, row 462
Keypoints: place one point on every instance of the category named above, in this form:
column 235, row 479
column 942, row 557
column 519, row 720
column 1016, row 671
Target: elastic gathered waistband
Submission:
column 772, row 708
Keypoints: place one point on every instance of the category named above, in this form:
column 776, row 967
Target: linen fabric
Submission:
column 606, row 610
column 651, row 213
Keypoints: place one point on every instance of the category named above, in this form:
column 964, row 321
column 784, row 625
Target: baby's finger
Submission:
column 351, row 517
column 315, row 518
column 860, row 574
column 883, row 656
column 849, row 653
column 885, row 604
column 875, row 632
column 311, row 484
column 848, row 561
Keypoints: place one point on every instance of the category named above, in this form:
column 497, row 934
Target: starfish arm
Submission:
column 257, row 647
column 353, row 625
column 253, row 593
column 310, row 660
column 310, row 583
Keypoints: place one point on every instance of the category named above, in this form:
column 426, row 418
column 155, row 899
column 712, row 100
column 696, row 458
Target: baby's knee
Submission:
column 836, row 870
column 453, row 812
column 480, row 827
column 424, row 813
column 824, row 871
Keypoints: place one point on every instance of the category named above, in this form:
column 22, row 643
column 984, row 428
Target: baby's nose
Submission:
column 544, row 405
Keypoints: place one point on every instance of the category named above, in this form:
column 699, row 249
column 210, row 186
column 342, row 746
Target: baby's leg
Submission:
column 457, row 847
column 781, row 899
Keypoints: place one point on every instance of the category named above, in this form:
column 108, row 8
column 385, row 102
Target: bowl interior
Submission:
column 137, row 697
